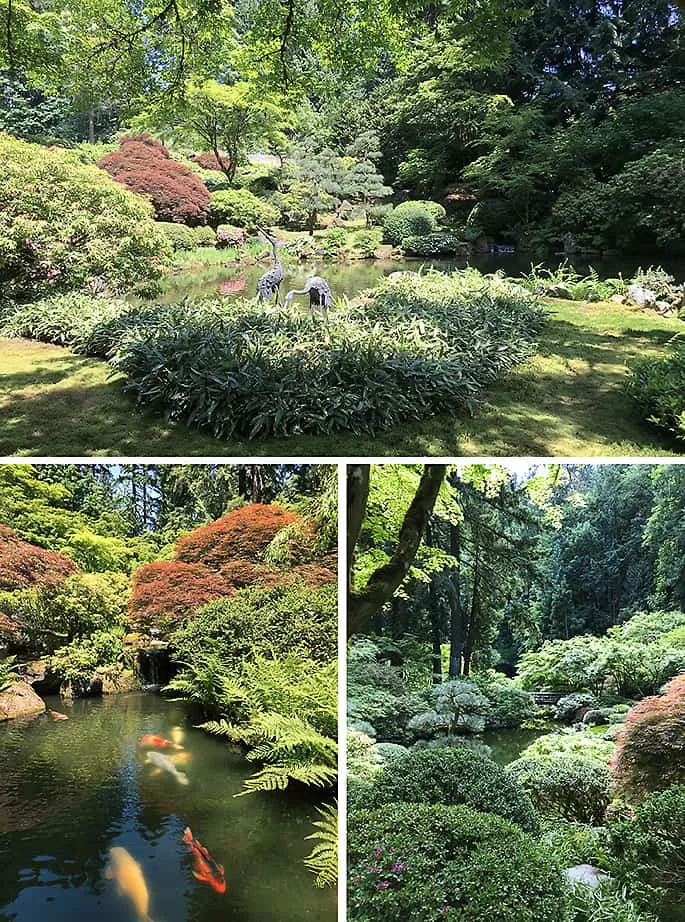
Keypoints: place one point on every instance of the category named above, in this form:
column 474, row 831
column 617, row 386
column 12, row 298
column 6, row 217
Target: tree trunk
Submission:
column 312, row 223
column 436, row 635
column 91, row 126
column 257, row 483
column 358, row 477
column 362, row 606
column 456, row 610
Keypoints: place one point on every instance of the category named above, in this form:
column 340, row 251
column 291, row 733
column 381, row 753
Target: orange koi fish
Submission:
column 56, row 715
column 205, row 868
column 158, row 742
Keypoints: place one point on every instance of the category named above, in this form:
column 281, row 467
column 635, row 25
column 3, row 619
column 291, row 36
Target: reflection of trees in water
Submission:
column 69, row 790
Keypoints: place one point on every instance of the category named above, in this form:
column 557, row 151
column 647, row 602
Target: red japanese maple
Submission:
column 650, row 747
column 145, row 166
column 24, row 565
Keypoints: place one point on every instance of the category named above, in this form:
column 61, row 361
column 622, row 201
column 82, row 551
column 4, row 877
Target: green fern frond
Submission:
column 277, row 777
column 221, row 728
column 323, row 858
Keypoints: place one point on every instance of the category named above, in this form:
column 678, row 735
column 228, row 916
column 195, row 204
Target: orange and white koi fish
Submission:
column 158, row 742
column 56, row 715
column 128, row 876
column 205, row 868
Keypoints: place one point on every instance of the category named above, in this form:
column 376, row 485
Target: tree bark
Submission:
column 456, row 610
column 363, row 605
column 91, row 126
column 358, row 478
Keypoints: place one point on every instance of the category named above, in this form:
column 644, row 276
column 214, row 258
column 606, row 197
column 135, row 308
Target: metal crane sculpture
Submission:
column 320, row 296
column 270, row 283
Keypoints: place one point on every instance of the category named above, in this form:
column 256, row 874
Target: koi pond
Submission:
column 349, row 278
column 73, row 790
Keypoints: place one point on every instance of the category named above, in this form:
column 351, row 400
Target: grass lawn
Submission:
column 568, row 401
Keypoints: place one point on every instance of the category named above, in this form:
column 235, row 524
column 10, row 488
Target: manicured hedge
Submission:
column 423, row 863
column 453, row 776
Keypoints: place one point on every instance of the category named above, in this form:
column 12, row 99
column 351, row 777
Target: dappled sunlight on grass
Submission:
column 568, row 401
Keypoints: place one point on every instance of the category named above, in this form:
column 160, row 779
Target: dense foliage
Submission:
column 452, row 776
column 145, row 166
column 651, row 854
column 241, row 208
column 65, row 224
column 421, row 863
column 650, row 751
column 412, row 348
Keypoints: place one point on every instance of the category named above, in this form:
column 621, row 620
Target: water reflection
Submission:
column 72, row 790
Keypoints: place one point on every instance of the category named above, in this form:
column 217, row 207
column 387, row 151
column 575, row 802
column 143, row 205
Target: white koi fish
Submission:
column 128, row 875
column 163, row 763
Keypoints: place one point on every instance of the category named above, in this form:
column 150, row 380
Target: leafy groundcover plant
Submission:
column 410, row 348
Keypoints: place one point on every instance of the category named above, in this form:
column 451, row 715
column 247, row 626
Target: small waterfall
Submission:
column 155, row 667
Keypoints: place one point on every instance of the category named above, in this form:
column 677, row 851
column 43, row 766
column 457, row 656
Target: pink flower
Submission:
column 383, row 885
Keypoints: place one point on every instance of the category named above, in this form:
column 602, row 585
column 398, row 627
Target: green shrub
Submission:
column 292, row 619
column 242, row 208
column 650, row 853
column 8, row 672
column 388, row 752
column 453, row 776
column 434, row 209
column 408, row 222
column 658, row 388
column 510, row 706
column 567, row 707
column 420, row 863
column 179, row 236
column 436, row 244
column 362, row 759
column 575, row 843
column 366, row 243
column 64, row 224
column 603, row 904
column 79, row 661
column 204, row 236
column 573, row 787
column 583, row 744
column 414, row 347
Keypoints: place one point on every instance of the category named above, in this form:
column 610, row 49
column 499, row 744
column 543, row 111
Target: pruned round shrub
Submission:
column 65, row 225
column 413, row 221
column 453, row 776
column 242, row 208
column 204, row 236
column 423, row 863
column 650, row 854
column 650, row 744
column 179, row 236
column 567, row 707
column 435, row 209
column 290, row 619
column 436, row 244
column 145, row 166
column 573, row 787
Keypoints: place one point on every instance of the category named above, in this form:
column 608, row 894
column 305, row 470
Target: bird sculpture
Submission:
column 270, row 283
column 320, row 296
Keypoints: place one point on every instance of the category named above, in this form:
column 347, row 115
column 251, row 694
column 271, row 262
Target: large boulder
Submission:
column 643, row 297
column 20, row 700
column 39, row 677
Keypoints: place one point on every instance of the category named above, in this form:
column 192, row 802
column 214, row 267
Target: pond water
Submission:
column 507, row 745
column 71, row 790
column 348, row 278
